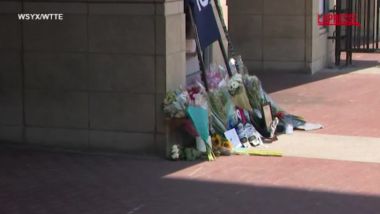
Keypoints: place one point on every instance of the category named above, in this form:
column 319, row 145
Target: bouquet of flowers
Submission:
column 221, row 105
column 256, row 94
column 235, row 84
column 175, row 103
column 199, row 115
column 237, row 90
column 216, row 76
column 221, row 146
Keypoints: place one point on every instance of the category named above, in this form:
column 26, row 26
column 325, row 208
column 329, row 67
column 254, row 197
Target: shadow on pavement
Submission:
column 46, row 182
column 274, row 82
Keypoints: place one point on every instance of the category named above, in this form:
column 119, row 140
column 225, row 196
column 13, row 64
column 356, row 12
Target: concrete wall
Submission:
column 276, row 35
column 94, row 80
column 320, row 52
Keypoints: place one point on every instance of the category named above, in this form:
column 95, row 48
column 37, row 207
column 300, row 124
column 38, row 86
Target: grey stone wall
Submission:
column 11, row 72
column 320, row 52
column 94, row 80
column 275, row 35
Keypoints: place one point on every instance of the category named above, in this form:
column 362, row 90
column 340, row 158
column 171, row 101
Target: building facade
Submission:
column 281, row 36
column 96, row 79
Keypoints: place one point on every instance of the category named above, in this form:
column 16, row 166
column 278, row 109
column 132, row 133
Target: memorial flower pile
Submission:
column 229, row 118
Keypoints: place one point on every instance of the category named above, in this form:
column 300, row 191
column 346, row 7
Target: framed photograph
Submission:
column 266, row 110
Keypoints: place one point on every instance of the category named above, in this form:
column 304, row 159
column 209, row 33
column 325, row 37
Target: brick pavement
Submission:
column 36, row 181
column 345, row 100
column 33, row 181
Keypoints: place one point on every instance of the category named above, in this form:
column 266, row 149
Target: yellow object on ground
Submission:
column 258, row 152
column 218, row 141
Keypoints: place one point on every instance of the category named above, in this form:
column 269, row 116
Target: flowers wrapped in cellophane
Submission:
column 257, row 95
column 219, row 100
column 175, row 103
column 237, row 90
column 199, row 115
column 221, row 106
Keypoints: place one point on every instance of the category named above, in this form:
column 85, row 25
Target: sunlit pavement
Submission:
column 345, row 100
column 334, row 170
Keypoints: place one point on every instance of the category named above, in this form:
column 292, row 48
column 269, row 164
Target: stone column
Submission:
column 94, row 80
column 11, row 102
column 320, row 50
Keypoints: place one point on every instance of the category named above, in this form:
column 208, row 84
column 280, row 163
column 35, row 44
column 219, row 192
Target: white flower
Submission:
column 235, row 83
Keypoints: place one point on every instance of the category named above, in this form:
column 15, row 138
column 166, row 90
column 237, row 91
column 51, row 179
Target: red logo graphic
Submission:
column 338, row 19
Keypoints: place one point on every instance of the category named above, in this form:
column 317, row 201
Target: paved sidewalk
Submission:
column 332, row 171
column 324, row 146
column 345, row 100
column 41, row 182
column 346, row 103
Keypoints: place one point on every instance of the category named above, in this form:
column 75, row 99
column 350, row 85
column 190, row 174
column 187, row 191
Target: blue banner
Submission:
column 204, row 18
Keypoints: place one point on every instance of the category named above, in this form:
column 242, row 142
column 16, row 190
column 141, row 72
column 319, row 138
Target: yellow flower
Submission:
column 217, row 140
column 227, row 144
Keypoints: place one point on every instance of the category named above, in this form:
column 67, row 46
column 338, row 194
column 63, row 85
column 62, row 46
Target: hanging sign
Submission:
column 205, row 21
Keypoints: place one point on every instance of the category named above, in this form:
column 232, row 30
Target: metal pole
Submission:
column 378, row 24
column 349, row 35
column 373, row 24
column 224, row 26
column 355, row 12
column 368, row 23
column 222, row 48
column 360, row 27
column 220, row 41
column 364, row 24
column 338, row 35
